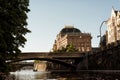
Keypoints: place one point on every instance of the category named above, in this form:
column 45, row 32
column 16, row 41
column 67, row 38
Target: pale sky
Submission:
column 48, row 17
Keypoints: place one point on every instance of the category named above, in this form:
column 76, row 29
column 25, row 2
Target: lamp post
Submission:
column 100, row 30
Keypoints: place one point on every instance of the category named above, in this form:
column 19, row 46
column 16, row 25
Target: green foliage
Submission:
column 12, row 27
column 37, row 61
column 68, row 48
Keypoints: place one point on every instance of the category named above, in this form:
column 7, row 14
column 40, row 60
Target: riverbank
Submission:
column 4, row 76
column 88, row 74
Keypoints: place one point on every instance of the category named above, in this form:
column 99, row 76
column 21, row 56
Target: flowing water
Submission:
column 29, row 75
column 62, row 75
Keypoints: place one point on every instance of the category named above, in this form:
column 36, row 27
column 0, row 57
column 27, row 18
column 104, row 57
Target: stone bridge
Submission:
column 51, row 57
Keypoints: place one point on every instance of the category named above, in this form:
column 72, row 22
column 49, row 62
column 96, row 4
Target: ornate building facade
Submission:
column 113, row 27
column 71, row 35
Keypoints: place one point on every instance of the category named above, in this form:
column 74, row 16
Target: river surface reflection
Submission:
column 63, row 75
column 29, row 75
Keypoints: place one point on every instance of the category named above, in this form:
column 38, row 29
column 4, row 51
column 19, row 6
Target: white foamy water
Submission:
column 30, row 75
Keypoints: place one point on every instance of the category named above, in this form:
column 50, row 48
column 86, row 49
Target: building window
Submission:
column 80, row 36
column 83, row 49
column 88, row 49
column 79, row 49
column 113, row 24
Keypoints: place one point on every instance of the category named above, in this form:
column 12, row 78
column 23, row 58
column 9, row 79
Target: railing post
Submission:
column 87, row 60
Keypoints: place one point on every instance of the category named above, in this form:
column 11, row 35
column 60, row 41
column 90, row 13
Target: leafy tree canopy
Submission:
column 68, row 48
column 13, row 15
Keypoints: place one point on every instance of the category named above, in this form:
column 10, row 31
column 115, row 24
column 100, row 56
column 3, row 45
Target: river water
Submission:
column 29, row 75
column 63, row 75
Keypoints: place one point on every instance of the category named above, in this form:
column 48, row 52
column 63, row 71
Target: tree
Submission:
column 13, row 16
column 103, row 42
column 68, row 48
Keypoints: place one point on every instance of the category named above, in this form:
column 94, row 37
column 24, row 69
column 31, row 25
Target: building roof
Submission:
column 70, row 29
column 116, row 12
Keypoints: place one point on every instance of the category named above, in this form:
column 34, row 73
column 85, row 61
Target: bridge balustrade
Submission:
column 49, row 55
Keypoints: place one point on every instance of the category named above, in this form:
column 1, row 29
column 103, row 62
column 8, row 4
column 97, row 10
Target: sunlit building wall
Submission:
column 113, row 27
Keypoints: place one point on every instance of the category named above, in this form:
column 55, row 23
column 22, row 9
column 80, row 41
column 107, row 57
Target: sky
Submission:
column 47, row 17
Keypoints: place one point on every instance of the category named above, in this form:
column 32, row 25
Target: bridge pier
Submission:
column 40, row 66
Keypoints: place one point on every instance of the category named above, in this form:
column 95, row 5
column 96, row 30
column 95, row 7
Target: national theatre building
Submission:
column 71, row 35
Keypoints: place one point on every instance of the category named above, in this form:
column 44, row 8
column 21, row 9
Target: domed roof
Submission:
column 69, row 29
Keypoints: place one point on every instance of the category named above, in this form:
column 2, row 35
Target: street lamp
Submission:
column 100, row 30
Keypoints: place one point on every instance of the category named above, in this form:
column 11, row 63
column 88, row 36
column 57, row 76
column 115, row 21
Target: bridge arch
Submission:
column 24, row 64
column 46, row 59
